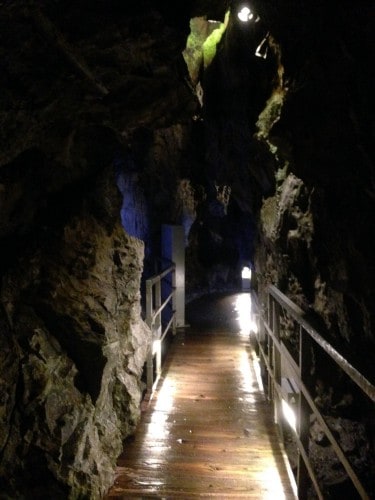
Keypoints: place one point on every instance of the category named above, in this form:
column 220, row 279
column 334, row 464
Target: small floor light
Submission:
column 290, row 395
column 289, row 415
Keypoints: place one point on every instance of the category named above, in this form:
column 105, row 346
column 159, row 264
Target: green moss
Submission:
column 271, row 113
column 209, row 46
column 201, row 44
column 193, row 53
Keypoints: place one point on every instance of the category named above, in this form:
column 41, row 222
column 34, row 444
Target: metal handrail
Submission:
column 275, row 357
column 154, row 308
column 298, row 314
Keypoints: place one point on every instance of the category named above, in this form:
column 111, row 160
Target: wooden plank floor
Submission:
column 207, row 431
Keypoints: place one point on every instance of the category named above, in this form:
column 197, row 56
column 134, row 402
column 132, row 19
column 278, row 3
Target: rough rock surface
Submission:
column 80, row 84
column 73, row 391
column 323, row 241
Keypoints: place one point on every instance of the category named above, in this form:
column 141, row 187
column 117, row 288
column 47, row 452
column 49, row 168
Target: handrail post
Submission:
column 174, row 301
column 270, row 346
column 157, row 306
column 158, row 327
column 276, row 362
column 261, row 342
column 149, row 303
column 150, row 367
column 303, row 421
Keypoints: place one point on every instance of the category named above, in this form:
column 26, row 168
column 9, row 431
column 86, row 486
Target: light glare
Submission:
column 245, row 316
column 271, row 478
column 247, row 375
column 246, row 273
column 158, row 427
column 156, row 346
column 243, row 309
column 289, row 415
column 245, row 14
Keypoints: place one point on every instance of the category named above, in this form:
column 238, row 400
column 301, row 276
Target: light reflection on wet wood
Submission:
column 208, row 431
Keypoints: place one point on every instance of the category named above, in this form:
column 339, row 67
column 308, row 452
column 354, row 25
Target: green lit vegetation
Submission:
column 193, row 54
column 209, row 46
column 201, row 44
column 271, row 113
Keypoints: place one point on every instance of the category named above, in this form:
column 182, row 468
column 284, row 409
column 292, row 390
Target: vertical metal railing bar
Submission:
column 276, row 358
column 303, row 421
column 157, row 328
column 270, row 348
column 174, row 303
column 149, row 319
column 157, row 315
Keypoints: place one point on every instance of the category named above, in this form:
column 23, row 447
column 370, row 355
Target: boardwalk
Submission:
column 207, row 431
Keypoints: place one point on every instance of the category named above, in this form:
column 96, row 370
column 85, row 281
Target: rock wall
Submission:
column 317, row 229
column 74, row 351
column 82, row 85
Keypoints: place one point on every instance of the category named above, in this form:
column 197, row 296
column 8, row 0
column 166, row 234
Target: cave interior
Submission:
column 254, row 132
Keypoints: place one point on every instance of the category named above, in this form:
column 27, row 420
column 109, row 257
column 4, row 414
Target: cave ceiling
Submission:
column 83, row 81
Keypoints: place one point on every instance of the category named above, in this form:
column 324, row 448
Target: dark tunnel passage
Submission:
column 252, row 129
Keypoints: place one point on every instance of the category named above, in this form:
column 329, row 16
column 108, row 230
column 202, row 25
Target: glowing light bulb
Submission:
column 245, row 14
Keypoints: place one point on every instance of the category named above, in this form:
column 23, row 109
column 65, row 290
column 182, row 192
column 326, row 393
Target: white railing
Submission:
column 285, row 367
column 157, row 287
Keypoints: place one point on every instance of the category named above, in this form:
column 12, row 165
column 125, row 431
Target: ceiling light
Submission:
column 245, row 14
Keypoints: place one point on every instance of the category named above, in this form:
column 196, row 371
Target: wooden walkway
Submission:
column 207, row 431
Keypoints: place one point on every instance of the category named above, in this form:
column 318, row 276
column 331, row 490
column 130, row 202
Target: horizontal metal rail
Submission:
column 168, row 327
column 156, row 288
column 164, row 304
column 275, row 357
column 349, row 369
column 157, row 277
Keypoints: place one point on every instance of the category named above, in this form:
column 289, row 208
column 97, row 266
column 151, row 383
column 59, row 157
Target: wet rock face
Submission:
column 73, row 354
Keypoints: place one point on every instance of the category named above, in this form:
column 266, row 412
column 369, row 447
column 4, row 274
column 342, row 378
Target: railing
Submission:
column 157, row 287
column 285, row 366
